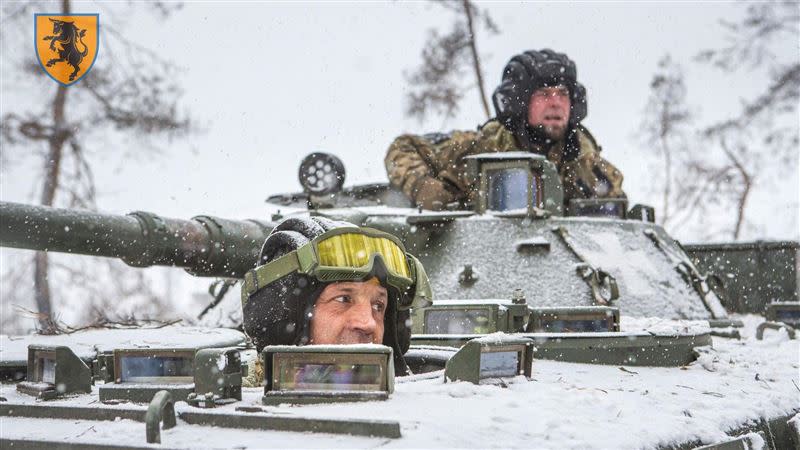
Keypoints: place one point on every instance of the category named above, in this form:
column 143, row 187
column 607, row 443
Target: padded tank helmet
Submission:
column 532, row 70
column 280, row 312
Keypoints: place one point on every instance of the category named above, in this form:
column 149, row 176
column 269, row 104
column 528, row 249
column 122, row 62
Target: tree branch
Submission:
column 476, row 61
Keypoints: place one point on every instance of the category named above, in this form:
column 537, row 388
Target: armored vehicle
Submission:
column 554, row 325
column 754, row 274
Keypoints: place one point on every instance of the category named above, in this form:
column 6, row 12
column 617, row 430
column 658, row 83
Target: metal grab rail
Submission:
column 161, row 409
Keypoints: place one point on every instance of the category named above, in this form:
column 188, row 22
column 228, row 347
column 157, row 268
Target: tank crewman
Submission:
column 326, row 282
column 540, row 106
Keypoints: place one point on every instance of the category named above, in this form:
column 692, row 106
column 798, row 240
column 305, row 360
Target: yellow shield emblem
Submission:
column 66, row 45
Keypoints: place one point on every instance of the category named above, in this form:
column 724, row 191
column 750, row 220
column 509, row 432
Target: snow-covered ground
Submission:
column 564, row 405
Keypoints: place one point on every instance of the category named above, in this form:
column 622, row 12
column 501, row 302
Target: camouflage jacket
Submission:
column 412, row 161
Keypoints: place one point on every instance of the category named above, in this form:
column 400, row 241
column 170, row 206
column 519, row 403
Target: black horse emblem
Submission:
column 68, row 36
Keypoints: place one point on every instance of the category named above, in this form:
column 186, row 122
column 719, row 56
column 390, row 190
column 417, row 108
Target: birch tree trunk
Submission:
column 52, row 169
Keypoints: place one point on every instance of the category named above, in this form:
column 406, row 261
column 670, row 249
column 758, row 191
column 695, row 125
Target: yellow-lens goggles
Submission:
column 347, row 254
column 354, row 250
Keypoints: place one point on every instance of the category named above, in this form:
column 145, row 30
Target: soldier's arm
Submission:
column 494, row 137
column 405, row 165
column 431, row 170
column 491, row 137
column 412, row 168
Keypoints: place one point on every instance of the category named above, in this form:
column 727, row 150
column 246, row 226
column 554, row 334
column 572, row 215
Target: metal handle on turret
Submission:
column 161, row 410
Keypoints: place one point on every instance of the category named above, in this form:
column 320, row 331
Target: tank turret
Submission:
column 516, row 234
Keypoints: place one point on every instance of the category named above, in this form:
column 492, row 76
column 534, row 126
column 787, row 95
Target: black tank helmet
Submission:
column 527, row 72
column 280, row 313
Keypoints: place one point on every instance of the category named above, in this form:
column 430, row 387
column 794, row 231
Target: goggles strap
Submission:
column 259, row 277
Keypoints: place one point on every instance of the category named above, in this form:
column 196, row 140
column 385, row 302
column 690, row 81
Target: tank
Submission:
column 753, row 274
column 553, row 325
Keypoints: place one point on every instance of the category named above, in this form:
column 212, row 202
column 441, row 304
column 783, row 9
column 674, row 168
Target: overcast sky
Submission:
column 272, row 81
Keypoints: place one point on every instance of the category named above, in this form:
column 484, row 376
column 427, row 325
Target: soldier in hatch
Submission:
column 325, row 282
column 540, row 106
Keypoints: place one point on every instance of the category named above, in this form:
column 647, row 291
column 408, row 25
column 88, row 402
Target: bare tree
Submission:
column 665, row 128
column 744, row 152
column 685, row 179
column 713, row 183
column 763, row 136
column 437, row 83
column 132, row 91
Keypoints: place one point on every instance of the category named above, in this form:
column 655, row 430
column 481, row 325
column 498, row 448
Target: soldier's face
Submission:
column 349, row 313
column 549, row 110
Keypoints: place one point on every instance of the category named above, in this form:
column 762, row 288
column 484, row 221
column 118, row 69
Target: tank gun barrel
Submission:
column 203, row 245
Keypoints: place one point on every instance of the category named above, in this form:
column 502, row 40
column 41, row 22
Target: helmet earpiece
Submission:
column 279, row 313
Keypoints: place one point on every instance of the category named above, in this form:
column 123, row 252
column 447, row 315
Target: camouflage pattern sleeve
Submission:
column 405, row 164
column 590, row 175
column 431, row 168
column 492, row 137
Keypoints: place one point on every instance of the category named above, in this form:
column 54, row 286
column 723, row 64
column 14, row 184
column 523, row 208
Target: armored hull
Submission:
column 736, row 387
